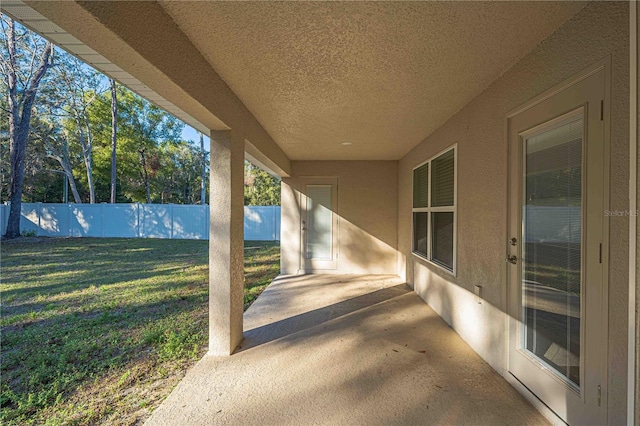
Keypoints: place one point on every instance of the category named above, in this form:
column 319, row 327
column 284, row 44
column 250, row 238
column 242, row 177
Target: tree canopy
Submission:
column 260, row 188
column 72, row 137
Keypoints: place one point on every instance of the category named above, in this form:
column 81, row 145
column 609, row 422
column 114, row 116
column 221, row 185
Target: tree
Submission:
column 114, row 134
column 101, row 121
column 260, row 188
column 80, row 85
column 41, row 182
column 23, row 68
column 147, row 126
column 142, row 133
column 60, row 129
column 55, row 141
column 5, row 170
column 203, row 176
column 41, row 179
column 61, row 121
column 177, row 180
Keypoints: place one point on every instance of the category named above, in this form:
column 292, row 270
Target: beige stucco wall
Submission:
column 367, row 210
column 479, row 129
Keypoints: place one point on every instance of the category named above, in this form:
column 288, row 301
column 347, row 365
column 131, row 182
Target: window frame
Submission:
column 429, row 210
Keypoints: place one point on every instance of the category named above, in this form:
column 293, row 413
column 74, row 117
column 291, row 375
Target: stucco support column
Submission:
column 226, row 242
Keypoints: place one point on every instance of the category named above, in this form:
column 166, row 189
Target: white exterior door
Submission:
column 319, row 224
column 557, row 309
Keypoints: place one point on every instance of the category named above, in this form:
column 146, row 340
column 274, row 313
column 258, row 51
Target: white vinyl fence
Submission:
column 553, row 224
column 136, row 220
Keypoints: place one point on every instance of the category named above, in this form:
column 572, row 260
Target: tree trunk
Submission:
column 88, row 161
column 72, row 182
column 74, row 188
column 18, row 136
column 63, row 159
column 87, row 152
column 19, row 120
column 203, row 177
column 114, row 129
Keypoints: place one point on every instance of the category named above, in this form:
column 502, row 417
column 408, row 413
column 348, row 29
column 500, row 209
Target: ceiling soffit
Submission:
column 380, row 75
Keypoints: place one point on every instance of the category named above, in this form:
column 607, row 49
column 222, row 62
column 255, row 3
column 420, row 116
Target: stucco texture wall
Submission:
column 367, row 210
column 479, row 129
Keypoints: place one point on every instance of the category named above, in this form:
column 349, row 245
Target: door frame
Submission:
column 603, row 65
column 319, row 180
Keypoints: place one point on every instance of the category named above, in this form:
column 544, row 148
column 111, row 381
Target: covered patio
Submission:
column 483, row 153
column 345, row 349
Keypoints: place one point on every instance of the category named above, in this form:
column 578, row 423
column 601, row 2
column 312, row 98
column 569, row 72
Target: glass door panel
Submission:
column 319, row 222
column 552, row 246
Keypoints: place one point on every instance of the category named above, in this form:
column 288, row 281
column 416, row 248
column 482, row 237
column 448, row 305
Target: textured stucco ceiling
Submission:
column 382, row 76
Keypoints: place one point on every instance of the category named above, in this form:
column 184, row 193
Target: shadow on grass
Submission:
column 47, row 358
column 78, row 310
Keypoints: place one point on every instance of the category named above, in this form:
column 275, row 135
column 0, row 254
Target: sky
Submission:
column 191, row 134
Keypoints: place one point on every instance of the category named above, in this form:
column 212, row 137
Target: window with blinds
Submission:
column 434, row 210
column 442, row 190
column 421, row 186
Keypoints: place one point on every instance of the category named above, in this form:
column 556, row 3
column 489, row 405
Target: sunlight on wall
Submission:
column 365, row 210
column 481, row 325
column 359, row 252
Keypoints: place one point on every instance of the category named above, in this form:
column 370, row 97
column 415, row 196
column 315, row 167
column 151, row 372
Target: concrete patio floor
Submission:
column 337, row 350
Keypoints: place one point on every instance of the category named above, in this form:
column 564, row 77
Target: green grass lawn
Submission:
column 100, row 330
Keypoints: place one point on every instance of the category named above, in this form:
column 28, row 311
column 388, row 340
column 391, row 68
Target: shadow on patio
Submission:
column 328, row 349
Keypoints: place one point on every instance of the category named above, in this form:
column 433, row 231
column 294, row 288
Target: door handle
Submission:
column 304, row 225
column 512, row 259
